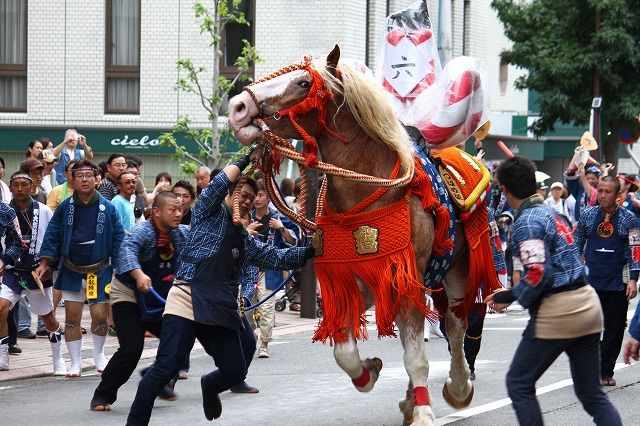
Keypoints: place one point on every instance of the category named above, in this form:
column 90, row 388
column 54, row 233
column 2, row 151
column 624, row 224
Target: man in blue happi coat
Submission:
column 85, row 234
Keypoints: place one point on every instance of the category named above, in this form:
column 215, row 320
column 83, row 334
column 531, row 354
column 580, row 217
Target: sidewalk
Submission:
column 35, row 359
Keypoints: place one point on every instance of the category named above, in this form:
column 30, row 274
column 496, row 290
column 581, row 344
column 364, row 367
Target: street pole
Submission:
column 308, row 299
column 596, row 111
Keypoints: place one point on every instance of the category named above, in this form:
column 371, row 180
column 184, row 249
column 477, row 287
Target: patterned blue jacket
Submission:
column 208, row 225
column 140, row 245
column 544, row 243
column 626, row 224
column 634, row 326
column 13, row 248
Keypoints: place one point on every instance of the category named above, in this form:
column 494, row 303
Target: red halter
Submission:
column 316, row 99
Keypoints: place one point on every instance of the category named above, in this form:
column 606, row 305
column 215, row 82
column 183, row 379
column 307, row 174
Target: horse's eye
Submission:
column 304, row 84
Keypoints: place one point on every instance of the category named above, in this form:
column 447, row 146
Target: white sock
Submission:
column 75, row 352
column 55, row 338
column 98, row 352
column 4, row 353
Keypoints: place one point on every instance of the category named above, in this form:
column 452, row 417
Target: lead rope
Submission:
column 275, row 142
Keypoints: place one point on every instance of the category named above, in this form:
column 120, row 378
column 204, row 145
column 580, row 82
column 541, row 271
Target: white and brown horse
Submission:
column 355, row 128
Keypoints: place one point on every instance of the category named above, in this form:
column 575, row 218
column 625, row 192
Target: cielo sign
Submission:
column 144, row 142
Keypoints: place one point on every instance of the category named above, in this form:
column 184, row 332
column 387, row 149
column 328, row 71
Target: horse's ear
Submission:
column 332, row 60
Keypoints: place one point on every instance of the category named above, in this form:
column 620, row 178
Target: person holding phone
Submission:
column 73, row 147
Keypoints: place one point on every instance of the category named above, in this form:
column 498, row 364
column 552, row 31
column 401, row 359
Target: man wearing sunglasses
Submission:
column 127, row 182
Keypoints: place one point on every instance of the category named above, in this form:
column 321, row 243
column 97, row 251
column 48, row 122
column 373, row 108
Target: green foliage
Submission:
column 557, row 43
column 209, row 142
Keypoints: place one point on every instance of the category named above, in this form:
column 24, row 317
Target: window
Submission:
column 504, row 75
column 231, row 42
column 466, row 27
column 13, row 56
column 122, row 79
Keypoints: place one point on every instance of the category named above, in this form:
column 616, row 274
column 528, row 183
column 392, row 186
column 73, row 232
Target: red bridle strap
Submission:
column 317, row 99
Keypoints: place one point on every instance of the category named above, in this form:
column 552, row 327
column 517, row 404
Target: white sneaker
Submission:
column 263, row 352
column 4, row 357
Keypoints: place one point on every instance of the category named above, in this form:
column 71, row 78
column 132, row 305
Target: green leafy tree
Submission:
column 209, row 142
column 557, row 43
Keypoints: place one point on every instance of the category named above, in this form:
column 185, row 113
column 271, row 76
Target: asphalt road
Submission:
column 301, row 385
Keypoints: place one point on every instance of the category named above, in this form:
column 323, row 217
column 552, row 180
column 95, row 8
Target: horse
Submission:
column 355, row 128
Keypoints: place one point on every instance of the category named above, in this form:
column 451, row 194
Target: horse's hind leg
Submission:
column 458, row 390
column 417, row 406
column 364, row 374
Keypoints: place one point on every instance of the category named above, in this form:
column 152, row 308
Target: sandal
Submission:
column 608, row 381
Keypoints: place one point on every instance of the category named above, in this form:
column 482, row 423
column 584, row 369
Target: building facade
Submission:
column 108, row 68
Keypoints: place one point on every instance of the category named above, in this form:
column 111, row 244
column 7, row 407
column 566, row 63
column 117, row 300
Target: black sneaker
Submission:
column 14, row 350
column 42, row 333
column 26, row 334
column 210, row 402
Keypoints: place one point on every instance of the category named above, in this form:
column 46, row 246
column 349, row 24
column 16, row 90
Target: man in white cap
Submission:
column 48, row 159
column 554, row 200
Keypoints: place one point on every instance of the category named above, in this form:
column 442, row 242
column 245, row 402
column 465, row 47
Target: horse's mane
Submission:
column 370, row 107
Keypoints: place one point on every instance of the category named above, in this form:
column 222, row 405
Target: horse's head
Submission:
column 293, row 102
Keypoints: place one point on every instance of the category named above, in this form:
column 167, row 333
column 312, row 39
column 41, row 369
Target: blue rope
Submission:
column 278, row 288
column 250, row 308
column 157, row 296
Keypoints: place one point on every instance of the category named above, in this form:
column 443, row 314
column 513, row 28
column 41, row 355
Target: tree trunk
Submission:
column 215, row 134
column 611, row 146
column 308, row 298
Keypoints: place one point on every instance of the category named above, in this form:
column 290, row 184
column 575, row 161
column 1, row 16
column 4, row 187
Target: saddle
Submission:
column 465, row 178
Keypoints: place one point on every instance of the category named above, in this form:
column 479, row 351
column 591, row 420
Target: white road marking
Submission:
column 464, row 414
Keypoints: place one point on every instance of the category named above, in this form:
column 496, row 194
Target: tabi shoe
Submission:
column 167, row 392
column 59, row 367
column 608, row 381
column 210, row 403
column 26, row 334
column 99, row 405
column 263, row 352
column 75, row 353
column 4, row 357
column 98, row 352
column 243, row 388
column 14, row 350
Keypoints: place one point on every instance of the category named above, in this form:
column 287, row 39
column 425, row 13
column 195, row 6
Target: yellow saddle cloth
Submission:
column 465, row 177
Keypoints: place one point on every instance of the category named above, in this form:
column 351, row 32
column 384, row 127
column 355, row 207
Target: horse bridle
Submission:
column 316, row 100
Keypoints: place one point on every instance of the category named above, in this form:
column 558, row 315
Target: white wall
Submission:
column 66, row 62
column 66, row 47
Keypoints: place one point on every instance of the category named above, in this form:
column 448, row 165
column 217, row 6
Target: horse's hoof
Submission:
column 406, row 411
column 457, row 403
column 373, row 364
column 373, row 367
column 423, row 416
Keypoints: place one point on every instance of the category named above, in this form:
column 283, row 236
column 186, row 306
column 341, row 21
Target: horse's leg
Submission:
column 458, row 389
column 364, row 374
column 417, row 406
